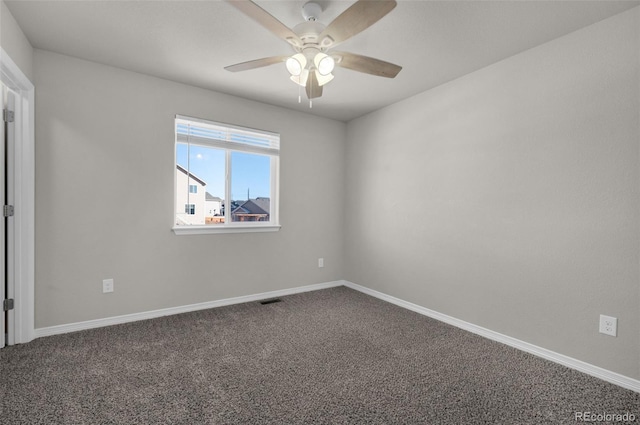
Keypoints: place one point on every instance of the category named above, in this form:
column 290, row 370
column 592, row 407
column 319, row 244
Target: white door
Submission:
column 6, row 228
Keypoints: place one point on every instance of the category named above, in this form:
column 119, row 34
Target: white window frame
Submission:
column 229, row 145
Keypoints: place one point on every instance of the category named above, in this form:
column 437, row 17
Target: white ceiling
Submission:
column 192, row 41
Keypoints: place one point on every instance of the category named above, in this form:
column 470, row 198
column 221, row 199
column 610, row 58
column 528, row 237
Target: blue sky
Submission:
column 248, row 171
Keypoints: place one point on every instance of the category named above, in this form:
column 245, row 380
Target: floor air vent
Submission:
column 275, row 300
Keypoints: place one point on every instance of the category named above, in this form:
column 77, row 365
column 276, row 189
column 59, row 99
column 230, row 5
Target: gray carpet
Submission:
column 334, row 356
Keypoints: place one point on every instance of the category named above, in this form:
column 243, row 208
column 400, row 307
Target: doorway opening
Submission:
column 17, row 193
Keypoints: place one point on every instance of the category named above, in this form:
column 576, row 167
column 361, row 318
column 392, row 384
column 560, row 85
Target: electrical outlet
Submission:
column 107, row 286
column 320, row 262
column 608, row 325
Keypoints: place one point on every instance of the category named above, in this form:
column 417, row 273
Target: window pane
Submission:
column 200, row 184
column 250, row 187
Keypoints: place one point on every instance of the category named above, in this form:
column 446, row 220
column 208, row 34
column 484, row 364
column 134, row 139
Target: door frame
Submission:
column 23, row 285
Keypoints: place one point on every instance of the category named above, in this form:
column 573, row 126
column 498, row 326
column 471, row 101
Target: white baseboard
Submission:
column 116, row 320
column 589, row 369
column 598, row 372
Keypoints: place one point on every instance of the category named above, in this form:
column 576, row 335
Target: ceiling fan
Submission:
column 312, row 64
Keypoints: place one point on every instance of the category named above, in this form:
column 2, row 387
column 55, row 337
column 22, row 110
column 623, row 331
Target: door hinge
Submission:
column 7, row 115
column 7, row 304
column 7, row 210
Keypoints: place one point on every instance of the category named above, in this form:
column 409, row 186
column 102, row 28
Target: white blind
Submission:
column 209, row 133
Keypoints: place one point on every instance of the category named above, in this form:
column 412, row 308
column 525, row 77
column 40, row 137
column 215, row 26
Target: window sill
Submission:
column 207, row 230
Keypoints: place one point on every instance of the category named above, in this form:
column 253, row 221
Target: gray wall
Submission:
column 104, row 190
column 14, row 42
column 509, row 198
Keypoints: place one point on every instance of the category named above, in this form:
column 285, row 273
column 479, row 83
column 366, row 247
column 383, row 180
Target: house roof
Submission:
column 253, row 206
column 263, row 203
column 210, row 197
column 193, row 176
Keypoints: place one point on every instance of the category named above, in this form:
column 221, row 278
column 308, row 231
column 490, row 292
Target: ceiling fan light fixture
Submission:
column 296, row 64
column 301, row 79
column 323, row 79
column 324, row 63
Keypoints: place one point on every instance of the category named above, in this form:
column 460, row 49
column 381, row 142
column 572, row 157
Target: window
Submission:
column 226, row 178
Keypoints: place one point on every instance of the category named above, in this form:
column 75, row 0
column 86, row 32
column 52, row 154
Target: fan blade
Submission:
column 313, row 88
column 357, row 18
column 366, row 64
column 267, row 20
column 258, row 63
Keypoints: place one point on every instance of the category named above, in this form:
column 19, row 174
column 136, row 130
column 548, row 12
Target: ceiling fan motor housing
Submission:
column 309, row 32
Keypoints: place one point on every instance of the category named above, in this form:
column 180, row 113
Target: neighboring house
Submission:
column 190, row 199
column 213, row 209
column 252, row 210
